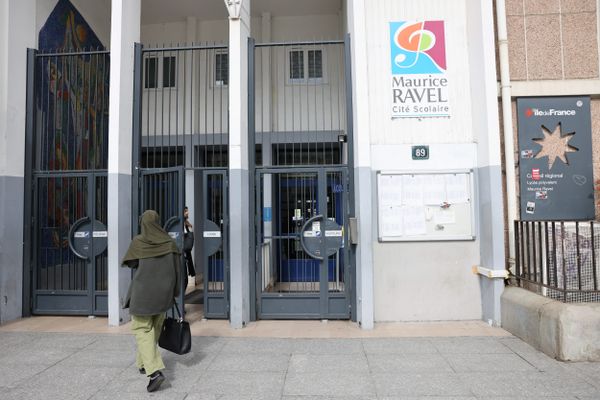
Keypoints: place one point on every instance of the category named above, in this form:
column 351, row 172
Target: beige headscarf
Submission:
column 152, row 242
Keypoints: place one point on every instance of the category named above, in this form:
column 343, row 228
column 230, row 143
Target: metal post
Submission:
column 138, row 73
column 350, row 193
column 251, row 175
column 30, row 151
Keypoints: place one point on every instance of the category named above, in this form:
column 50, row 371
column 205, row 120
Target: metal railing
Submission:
column 559, row 259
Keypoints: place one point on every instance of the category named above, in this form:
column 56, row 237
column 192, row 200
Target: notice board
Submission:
column 555, row 158
column 425, row 206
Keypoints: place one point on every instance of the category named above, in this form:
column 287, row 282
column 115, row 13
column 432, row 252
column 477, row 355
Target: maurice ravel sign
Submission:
column 555, row 158
column 419, row 81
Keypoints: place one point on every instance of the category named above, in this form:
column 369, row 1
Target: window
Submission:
column 169, row 66
column 315, row 64
column 221, row 69
column 151, row 69
column 167, row 70
column 296, row 64
column 306, row 65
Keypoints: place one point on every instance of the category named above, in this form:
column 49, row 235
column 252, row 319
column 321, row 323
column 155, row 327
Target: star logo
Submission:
column 528, row 112
column 555, row 145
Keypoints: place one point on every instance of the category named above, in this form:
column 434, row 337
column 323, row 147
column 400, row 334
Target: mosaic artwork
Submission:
column 72, row 99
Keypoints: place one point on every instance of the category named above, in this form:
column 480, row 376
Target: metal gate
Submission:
column 304, row 262
column 180, row 141
column 66, row 211
column 163, row 191
column 301, row 120
column 215, row 254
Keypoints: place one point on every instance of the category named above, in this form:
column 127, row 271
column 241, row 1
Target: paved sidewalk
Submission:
column 50, row 366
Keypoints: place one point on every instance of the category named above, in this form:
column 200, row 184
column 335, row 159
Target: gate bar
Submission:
column 30, row 151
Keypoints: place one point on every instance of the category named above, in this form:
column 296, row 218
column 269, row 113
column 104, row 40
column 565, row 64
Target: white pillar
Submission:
column 17, row 33
column 239, row 32
column 265, row 122
column 362, row 164
column 125, row 31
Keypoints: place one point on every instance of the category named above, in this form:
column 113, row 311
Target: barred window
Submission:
column 221, row 69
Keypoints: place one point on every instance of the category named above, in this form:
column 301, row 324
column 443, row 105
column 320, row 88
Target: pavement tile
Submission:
column 93, row 358
column 469, row 345
column 267, row 385
column 399, row 346
column 207, row 344
column 196, row 360
column 333, row 383
column 13, row 375
column 488, row 363
column 429, row 398
column 212, row 396
column 34, row 356
column 408, row 363
column 113, row 342
column 536, row 358
column 306, row 363
column 425, row 384
column 250, row 362
column 329, row 398
column 160, row 395
column 328, row 346
column 59, row 340
column 514, row 384
column 257, row 345
column 65, row 383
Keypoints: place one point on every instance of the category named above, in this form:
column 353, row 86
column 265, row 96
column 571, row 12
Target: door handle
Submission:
column 302, row 241
column 72, row 231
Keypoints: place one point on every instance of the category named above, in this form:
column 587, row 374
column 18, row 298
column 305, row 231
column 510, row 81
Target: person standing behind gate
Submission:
column 155, row 258
column 188, row 245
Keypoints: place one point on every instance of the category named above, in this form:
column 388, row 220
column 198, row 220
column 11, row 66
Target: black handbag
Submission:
column 175, row 335
column 188, row 241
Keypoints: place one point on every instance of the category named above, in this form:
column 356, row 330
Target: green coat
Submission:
column 155, row 283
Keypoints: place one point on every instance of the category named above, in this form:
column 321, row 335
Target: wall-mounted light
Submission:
column 234, row 7
column 342, row 138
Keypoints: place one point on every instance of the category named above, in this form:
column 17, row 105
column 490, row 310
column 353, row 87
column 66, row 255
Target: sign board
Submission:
column 420, row 152
column 555, row 158
column 425, row 206
column 418, row 64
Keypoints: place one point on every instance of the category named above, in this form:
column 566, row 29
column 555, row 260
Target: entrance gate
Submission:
column 304, row 257
column 67, row 138
column 301, row 120
column 180, row 155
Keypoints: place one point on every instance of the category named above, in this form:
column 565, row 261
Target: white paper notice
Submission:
column 390, row 190
column 457, row 188
column 390, row 220
column 443, row 217
column 414, row 221
column 412, row 190
column 434, row 189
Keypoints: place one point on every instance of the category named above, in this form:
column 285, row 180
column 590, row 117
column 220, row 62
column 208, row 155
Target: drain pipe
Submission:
column 509, row 149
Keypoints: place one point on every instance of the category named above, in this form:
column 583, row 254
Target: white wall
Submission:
column 95, row 12
column 201, row 107
column 384, row 130
column 421, row 280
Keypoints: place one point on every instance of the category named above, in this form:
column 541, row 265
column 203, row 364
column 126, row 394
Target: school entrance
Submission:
column 302, row 180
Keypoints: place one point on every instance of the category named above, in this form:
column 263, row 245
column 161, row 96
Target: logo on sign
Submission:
column 535, row 174
column 418, row 47
column 551, row 112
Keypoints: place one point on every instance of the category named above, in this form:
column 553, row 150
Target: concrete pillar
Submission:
column 240, row 227
column 125, row 31
column 17, row 33
column 363, row 178
column 480, row 27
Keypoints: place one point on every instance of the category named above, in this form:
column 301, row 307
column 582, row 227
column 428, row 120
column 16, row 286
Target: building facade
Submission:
column 340, row 159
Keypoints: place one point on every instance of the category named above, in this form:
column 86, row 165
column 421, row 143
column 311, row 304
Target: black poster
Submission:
column 555, row 158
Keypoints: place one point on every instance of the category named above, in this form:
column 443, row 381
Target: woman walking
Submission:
column 155, row 258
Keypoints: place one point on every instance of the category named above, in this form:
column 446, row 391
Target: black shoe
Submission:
column 156, row 379
column 142, row 371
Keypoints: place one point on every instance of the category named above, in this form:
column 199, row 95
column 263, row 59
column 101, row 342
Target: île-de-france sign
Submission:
column 555, row 158
column 418, row 65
